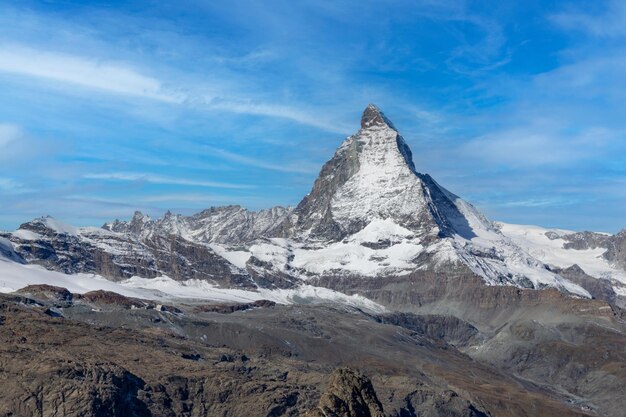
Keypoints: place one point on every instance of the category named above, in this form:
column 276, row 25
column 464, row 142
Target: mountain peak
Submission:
column 373, row 116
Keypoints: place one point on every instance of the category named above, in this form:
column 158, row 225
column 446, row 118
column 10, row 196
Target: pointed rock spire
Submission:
column 372, row 116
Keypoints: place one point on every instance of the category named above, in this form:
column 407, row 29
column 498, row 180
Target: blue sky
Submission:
column 111, row 106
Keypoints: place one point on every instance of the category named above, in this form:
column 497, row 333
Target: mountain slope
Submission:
column 596, row 255
column 371, row 213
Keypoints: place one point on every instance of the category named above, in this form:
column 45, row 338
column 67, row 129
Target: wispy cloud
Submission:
column 121, row 79
column 160, row 179
column 301, row 167
column 9, row 184
column 524, row 148
column 539, row 202
column 610, row 22
column 487, row 53
column 86, row 72
column 252, row 107
column 186, row 198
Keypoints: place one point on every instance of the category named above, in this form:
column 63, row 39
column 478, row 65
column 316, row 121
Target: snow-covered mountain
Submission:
column 575, row 255
column 370, row 214
column 225, row 225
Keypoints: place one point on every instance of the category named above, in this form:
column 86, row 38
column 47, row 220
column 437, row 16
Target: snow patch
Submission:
column 24, row 234
column 620, row 291
column 235, row 257
column 552, row 251
column 379, row 230
column 381, row 248
column 198, row 289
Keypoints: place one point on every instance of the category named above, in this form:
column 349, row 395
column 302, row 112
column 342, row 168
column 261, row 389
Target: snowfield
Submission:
column 381, row 248
column 552, row 251
column 535, row 241
column 14, row 276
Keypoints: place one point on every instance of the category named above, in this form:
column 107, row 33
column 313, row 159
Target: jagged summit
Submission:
column 373, row 116
column 370, row 177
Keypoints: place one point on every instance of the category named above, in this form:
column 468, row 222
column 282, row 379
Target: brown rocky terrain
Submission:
column 571, row 345
column 271, row 361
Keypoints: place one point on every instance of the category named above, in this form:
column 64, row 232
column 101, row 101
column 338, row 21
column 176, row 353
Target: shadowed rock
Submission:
column 231, row 308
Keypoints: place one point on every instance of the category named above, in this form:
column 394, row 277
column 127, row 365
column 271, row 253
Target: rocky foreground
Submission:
column 102, row 354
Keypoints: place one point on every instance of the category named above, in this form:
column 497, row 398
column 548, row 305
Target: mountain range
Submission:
column 379, row 268
column 370, row 214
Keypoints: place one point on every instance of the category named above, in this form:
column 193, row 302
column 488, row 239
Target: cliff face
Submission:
column 119, row 256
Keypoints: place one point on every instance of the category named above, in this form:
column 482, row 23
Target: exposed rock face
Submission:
column 93, row 390
column 7, row 251
column 231, row 308
column 560, row 356
column 615, row 244
column 349, row 394
column 584, row 240
column 99, row 298
column 599, row 288
column 617, row 249
column 117, row 256
column 446, row 403
column 448, row 328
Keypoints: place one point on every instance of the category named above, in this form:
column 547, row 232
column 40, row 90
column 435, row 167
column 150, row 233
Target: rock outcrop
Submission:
column 349, row 394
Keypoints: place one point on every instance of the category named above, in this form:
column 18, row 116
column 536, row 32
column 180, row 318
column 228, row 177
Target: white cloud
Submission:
column 587, row 76
column 86, row 72
column 186, row 198
column 9, row 184
column 159, row 179
column 536, row 146
column 537, row 202
column 310, row 118
column 9, row 133
column 122, row 79
column 610, row 23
